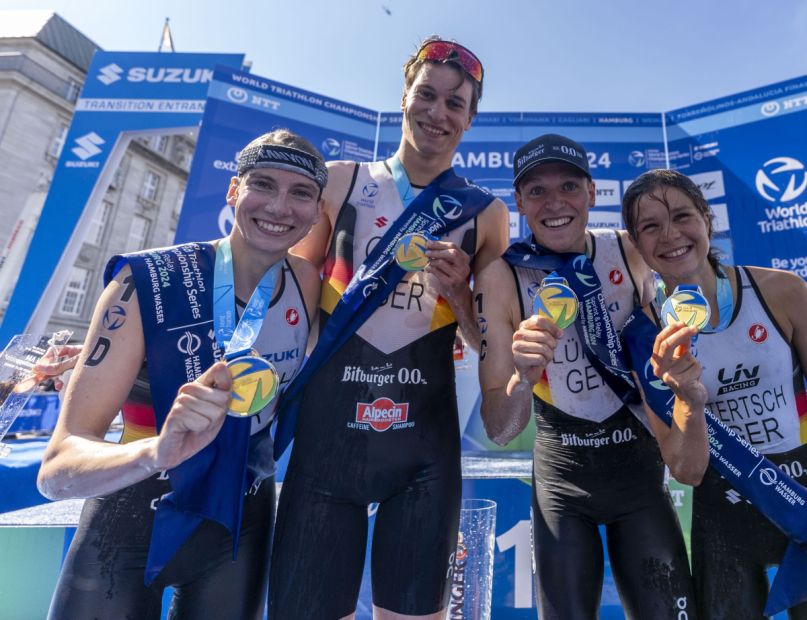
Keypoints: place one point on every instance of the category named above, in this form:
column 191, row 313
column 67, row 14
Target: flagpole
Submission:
column 166, row 40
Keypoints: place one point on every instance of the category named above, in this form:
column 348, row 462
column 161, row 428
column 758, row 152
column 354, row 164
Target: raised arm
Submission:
column 513, row 354
column 685, row 444
column 78, row 462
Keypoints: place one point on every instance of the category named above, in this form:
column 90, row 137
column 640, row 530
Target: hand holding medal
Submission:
column 255, row 380
column 556, row 301
column 410, row 251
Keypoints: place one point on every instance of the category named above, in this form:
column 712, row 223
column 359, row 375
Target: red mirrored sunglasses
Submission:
column 447, row 51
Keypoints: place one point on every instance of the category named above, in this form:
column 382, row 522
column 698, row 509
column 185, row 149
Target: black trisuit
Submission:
column 595, row 463
column 103, row 573
column 756, row 386
column 378, row 424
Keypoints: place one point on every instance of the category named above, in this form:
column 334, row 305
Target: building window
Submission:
column 159, row 143
column 138, row 232
column 98, row 224
column 75, row 292
column 151, row 185
column 57, row 143
column 73, row 89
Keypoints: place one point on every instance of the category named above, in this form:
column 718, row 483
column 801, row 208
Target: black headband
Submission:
column 285, row 158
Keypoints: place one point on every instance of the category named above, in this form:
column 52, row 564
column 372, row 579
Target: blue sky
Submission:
column 539, row 55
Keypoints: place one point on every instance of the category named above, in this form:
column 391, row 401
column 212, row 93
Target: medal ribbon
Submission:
column 445, row 204
column 601, row 343
column 211, row 484
column 239, row 340
column 770, row 490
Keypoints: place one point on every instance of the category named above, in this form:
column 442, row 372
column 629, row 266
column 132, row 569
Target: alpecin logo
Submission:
column 382, row 413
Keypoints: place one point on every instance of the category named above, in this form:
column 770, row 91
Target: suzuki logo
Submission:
column 88, row 146
column 790, row 170
column 109, row 74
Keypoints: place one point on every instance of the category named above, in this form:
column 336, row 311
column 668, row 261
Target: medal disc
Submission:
column 255, row 383
column 688, row 305
column 556, row 301
column 410, row 252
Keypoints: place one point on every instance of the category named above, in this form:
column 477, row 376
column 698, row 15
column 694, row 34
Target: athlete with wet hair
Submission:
column 753, row 355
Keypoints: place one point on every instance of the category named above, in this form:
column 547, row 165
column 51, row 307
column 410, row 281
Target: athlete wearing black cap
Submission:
column 595, row 462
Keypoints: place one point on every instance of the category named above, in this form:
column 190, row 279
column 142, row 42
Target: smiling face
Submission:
column 672, row 235
column 436, row 110
column 555, row 198
column 274, row 209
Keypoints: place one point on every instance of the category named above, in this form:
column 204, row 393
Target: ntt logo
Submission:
column 110, row 74
column 87, row 146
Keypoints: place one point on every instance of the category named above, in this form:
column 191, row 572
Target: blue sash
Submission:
column 445, row 204
column 771, row 491
column 175, row 294
column 599, row 337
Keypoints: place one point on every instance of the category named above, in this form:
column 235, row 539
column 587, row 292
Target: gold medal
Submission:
column 556, row 301
column 255, row 385
column 410, row 251
column 688, row 305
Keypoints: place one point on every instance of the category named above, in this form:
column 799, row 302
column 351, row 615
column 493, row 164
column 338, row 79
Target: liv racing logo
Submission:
column 380, row 415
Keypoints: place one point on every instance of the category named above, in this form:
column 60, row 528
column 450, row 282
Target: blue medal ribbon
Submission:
column 600, row 339
column 770, row 490
column 239, row 340
column 445, row 204
column 179, row 347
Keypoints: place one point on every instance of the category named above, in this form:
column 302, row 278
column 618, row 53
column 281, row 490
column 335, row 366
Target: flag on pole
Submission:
column 166, row 41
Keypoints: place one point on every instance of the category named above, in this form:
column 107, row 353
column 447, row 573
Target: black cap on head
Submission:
column 548, row 148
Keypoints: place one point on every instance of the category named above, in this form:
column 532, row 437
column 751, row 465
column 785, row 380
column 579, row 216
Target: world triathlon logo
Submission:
column 781, row 179
column 440, row 210
column 331, row 147
column 636, row 159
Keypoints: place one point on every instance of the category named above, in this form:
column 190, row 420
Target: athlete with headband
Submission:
column 379, row 420
column 153, row 342
column 753, row 354
column 595, row 461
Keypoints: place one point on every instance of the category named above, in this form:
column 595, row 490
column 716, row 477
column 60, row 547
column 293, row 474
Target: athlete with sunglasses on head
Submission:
column 378, row 421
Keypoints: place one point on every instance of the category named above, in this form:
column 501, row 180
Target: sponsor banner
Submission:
column 620, row 147
column 747, row 154
column 124, row 93
column 239, row 108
